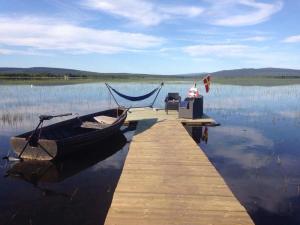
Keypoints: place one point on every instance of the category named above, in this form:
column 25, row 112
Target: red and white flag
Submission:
column 206, row 81
column 193, row 92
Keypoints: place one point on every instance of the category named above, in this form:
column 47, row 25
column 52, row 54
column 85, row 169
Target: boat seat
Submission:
column 105, row 119
column 101, row 122
column 94, row 125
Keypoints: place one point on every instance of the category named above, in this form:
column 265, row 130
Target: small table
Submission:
column 191, row 108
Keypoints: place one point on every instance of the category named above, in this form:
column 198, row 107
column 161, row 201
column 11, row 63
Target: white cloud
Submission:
column 135, row 10
column 141, row 11
column 7, row 51
column 189, row 11
column 292, row 39
column 4, row 51
column 233, row 13
column 48, row 34
column 257, row 38
column 215, row 50
column 243, row 55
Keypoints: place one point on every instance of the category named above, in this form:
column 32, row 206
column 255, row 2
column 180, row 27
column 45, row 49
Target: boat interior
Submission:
column 78, row 125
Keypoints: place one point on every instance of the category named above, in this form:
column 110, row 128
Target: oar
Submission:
column 42, row 119
column 49, row 117
column 33, row 136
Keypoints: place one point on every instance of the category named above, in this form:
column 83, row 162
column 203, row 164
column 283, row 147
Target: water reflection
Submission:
column 75, row 190
column 35, row 171
column 246, row 146
column 261, row 167
column 198, row 133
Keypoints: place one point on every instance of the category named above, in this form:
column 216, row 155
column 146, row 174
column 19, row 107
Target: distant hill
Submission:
column 43, row 70
column 57, row 72
column 264, row 72
column 48, row 71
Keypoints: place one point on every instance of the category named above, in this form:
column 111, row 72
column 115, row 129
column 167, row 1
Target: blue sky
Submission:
column 150, row 36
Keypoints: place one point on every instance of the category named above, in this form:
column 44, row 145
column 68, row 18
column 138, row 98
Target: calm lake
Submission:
column 256, row 150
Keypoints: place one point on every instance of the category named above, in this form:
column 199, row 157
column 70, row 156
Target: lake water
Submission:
column 256, row 150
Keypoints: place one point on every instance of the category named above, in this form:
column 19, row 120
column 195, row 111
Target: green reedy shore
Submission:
column 58, row 80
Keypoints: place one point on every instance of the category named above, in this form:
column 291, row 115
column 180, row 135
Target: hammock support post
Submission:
column 137, row 98
column 161, row 85
column 112, row 94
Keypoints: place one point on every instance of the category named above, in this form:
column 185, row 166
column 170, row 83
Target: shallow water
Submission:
column 256, row 149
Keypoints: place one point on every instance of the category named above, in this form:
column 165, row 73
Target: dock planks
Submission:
column 167, row 179
column 160, row 115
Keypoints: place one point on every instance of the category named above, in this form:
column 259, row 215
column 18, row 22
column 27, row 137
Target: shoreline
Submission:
column 242, row 81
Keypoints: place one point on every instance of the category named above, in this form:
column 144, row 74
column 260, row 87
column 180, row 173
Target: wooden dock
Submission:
column 160, row 115
column 167, row 179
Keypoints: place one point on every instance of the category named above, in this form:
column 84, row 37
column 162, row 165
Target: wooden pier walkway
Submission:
column 167, row 179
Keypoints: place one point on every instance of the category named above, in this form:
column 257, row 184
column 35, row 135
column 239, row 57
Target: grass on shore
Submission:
column 257, row 81
column 244, row 81
column 79, row 80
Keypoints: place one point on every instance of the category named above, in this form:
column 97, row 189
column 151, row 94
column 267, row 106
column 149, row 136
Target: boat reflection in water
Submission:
column 198, row 133
column 36, row 172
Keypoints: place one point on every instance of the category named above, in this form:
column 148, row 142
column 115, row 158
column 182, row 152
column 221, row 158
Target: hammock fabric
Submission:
column 131, row 98
column 135, row 98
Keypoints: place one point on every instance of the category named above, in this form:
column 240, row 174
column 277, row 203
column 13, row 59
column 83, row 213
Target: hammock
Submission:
column 134, row 98
column 131, row 98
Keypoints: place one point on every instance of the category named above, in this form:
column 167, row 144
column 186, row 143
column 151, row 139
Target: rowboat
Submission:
column 61, row 139
column 54, row 171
